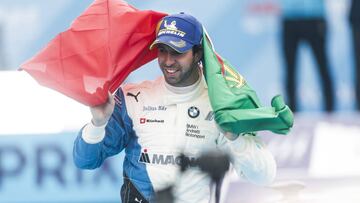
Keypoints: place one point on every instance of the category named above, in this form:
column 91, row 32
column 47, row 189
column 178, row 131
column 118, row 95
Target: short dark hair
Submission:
column 198, row 48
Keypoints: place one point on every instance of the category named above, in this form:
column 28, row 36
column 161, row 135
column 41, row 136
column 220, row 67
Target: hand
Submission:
column 230, row 135
column 102, row 113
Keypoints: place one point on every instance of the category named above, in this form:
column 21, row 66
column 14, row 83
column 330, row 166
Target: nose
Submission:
column 169, row 59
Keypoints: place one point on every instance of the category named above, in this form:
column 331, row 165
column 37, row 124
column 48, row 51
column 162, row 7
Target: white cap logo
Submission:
column 171, row 26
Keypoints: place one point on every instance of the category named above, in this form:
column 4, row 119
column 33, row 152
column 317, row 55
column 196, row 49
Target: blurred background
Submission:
column 271, row 42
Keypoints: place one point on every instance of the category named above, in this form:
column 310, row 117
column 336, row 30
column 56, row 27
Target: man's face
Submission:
column 179, row 69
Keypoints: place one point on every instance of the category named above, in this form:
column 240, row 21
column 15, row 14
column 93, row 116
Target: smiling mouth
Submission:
column 171, row 71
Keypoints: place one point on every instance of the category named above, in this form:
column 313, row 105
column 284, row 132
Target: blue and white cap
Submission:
column 179, row 31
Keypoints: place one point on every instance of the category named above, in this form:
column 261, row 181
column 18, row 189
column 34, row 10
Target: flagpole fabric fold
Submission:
column 108, row 41
column 236, row 106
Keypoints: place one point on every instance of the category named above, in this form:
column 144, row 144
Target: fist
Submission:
column 102, row 113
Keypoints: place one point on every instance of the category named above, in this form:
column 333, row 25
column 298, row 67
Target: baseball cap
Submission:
column 179, row 31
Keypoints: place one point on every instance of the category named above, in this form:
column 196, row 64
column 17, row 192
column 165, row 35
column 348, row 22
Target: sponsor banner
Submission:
column 40, row 168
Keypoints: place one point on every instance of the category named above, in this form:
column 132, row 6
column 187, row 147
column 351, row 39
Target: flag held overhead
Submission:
column 111, row 39
column 108, row 41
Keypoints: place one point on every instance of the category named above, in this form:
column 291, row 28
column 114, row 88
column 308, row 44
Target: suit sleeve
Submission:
column 250, row 158
column 94, row 144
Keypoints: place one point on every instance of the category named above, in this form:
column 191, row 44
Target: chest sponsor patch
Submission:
column 154, row 120
column 193, row 131
column 164, row 159
column 154, row 108
column 133, row 95
column 193, row 112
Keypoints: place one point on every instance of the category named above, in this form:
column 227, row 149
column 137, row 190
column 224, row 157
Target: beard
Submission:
column 183, row 76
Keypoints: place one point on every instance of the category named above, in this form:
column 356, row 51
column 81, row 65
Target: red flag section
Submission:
column 99, row 50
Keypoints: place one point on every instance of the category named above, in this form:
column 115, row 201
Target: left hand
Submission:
column 230, row 135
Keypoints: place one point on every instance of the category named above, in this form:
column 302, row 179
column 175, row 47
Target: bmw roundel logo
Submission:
column 193, row 112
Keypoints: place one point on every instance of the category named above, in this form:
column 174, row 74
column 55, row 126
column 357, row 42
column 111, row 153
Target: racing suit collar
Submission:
column 174, row 95
column 182, row 90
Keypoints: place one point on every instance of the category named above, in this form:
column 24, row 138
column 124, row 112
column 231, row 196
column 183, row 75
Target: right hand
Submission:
column 102, row 113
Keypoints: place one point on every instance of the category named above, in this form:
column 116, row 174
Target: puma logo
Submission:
column 133, row 95
column 137, row 200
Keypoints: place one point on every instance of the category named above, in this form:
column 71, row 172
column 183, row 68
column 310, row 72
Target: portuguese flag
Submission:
column 237, row 108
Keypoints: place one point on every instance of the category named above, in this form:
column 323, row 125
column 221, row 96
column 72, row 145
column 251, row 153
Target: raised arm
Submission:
column 105, row 135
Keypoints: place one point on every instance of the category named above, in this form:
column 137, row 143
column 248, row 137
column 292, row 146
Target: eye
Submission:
column 161, row 49
column 175, row 53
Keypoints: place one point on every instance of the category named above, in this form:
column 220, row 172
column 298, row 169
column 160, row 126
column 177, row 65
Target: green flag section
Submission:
column 236, row 106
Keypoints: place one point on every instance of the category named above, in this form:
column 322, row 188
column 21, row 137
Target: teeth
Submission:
column 170, row 70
